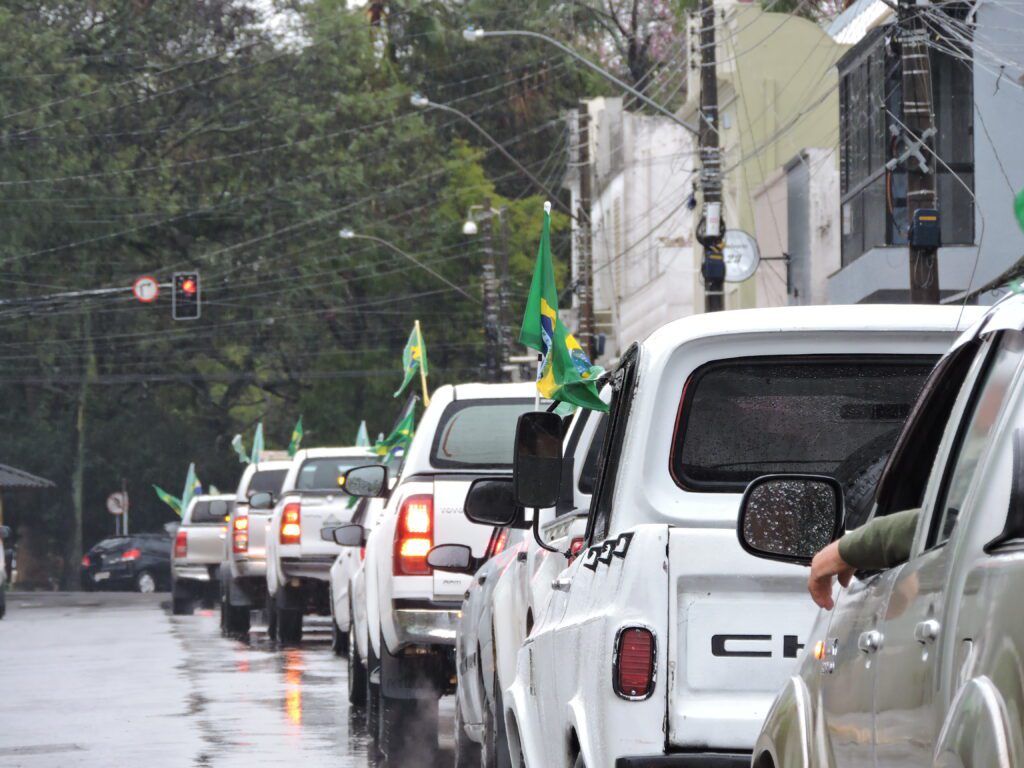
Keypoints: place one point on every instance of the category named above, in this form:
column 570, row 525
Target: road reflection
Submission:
column 293, row 668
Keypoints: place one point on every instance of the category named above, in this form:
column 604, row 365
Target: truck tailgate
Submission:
column 205, row 544
column 320, row 511
column 737, row 624
column 452, row 527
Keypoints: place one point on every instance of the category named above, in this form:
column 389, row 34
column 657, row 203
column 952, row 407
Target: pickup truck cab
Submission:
column 664, row 642
column 920, row 664
column 244, row 562
column 197, row 550
column 413, row 611
column 298, row 558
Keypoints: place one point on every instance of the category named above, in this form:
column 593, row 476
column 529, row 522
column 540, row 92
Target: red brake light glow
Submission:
column 86, row 562
column 500, row 542
column 634, row 663
column 131, row 554
column 240, row 534
column 291, row 524
column 414, row 537
column 181, row 544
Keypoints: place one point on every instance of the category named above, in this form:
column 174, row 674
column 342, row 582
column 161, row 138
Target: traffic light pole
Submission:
column 584, row 241
column 489, row 281
column 711, row 227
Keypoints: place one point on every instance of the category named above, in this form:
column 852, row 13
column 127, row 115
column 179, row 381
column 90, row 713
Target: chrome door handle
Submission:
column 561, row 584
column 870, row 641
column 926, row 631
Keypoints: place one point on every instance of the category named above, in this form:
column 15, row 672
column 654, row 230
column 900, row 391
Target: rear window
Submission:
column 213, row 511
column 325, row 474
column 744, row 418
column 266, row 481
column 588, row 475
column 478, row 434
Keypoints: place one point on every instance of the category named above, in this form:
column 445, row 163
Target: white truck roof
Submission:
column 331, row 453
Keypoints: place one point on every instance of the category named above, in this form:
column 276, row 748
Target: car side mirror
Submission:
column 367, row 482
column 261, row 500
column 327, row 534
column 537, row 466
column 790, row 517
column 350, row 535
column 457, row 558
column 491, row 502
column 5, row 532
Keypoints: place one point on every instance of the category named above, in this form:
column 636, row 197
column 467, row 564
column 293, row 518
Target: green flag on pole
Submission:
column 566, row 373
column 296, row 442
column 236, row 443
column 192, row 488
column 362, row 436
column 413, row 357
column 396, row 443
column 257, row 445
column 171, row 501
column 1018, row 207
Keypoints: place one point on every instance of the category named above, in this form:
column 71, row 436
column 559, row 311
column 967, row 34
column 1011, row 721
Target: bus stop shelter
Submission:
column 14, row 480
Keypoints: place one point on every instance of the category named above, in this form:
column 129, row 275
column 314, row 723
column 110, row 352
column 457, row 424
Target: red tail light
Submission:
column 414, row 536
column 240, row 534
column 575, row 547
column 131, row 554
column 500, row 542
column 86, row 562
column 181, row 544
column 362, row 553
column 291, row 524
column 633, row 670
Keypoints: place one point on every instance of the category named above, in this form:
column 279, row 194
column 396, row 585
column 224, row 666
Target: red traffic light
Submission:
column 188, row 285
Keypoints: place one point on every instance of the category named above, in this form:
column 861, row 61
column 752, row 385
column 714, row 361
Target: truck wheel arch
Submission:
column 977, row 730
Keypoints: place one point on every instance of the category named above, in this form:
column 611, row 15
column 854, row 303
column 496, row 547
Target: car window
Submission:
column 588, row 474
column 478, row 434
column 266, row 481
column 743, row 418
column 989, row 395
column 212, row 511
column 325, row 474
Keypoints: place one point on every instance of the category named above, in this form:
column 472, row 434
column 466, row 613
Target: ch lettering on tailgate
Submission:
column 753, row 646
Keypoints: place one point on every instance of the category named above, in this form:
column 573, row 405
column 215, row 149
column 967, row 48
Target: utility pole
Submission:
column 711, row 226
column 919, row 121
column 584, row 243
column 505, row 333
column 489, row 281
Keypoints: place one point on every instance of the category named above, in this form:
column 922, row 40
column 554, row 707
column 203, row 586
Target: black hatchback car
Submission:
column 140, row 562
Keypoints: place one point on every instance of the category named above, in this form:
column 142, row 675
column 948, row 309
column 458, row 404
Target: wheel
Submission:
column 579, row 762
column 145, row 583
column 182, row 606
column 407, row 730
column 3, row 603
column 339, row 639
column 495, row 752
column 467, row 752
column 235, row 619
column 289, row 625
column 270, row 615
column 372, row 693
column 356, row 672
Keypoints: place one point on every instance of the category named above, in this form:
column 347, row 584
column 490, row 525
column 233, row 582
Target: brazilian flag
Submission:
column 400, row 437
column 566, row 373
column 1018, row 207
column 296, row 442
column 171, row 501
column 413, row 356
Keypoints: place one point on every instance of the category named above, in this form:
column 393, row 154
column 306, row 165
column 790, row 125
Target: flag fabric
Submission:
column 363, row 436
column 257, row 445
column 1018, row 207
column 192, row 488
column 171, row 501
column 565, row 373
column 236, row 443
column 296, row 442
column 413, row 356
column 397, row 442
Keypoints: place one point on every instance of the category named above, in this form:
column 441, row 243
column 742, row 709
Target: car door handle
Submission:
column 561, row 584
column 481, row 578
column 926, row 631
column 870, row 641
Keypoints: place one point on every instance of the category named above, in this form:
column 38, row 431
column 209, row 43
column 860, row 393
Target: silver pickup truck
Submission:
column 198, row 543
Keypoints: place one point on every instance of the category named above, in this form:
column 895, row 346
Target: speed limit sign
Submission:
column 146, row 289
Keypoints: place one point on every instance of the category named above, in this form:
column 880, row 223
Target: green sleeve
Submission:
column 881, row 543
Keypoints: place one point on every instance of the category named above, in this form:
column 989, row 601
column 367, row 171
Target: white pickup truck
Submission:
column 198, row 546
column 664, row 642
column 298, row 558
column 412, row 612
column 243, row 568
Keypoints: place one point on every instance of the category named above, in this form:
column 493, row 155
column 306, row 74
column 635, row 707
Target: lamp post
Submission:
column 348, row 234
column 493, row 282
column 473, row 34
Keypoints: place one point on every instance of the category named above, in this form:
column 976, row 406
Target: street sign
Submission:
column 117, row 503
column 741, row 256
column 146, row 289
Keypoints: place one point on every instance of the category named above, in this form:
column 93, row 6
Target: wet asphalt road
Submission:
column 114, row 680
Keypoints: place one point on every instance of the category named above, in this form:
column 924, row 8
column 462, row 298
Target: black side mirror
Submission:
column 5, row 532
column 537, row 467
column 367, row 482
column 490, row 502
column 457, row 558
column 261, row 500
column 350, row 535
column 790, row 517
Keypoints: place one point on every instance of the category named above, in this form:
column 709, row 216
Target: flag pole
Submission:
column 423, row 374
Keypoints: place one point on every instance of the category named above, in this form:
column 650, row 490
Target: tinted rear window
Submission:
column 478, row 434
column 325, row 474
column 588, row 475
column 214, row 511
column 266, row 481
column 749, row 417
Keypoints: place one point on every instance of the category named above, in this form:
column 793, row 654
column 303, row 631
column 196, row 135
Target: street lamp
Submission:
column 475, row 34
column 349, row 234
column 470, row 228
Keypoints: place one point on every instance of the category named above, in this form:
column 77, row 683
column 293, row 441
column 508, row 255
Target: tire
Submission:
column 357, row 682
column 270, row 614
column 372, row 694
column 579, row 762
column 235, row 619
column 289, row 625
column 145, row 582
column 3, row 603
column 182, row 606
column 339, row 640
column 496, row 751
column 407, row 731
column 467, row 752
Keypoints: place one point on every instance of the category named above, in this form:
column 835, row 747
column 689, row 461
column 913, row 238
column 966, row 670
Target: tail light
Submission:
column 633, row 670
column 86, row 562
column 291, row 524
column 362, row 554
column 240, row 534
column 414, row 536
column 500, row 542
column 181, row 544
column 131, row 554
column 575, row 547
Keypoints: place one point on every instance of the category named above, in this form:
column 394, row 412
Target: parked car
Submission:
column 665, row 641
column 5, row 533
column 920, row 664
column 412, row 612
column 198, row 547
column 139, row 562
column 243, row 570
column 298, row 559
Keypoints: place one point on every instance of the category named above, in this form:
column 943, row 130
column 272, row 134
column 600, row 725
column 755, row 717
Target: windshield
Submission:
column 744, row 418
column 266, row 481
column 326, row 474
column 478, row 434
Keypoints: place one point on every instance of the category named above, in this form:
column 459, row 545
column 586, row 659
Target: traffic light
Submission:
column 185, row 296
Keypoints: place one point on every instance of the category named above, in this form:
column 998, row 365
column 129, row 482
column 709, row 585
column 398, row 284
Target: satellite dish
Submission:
column 741, row 256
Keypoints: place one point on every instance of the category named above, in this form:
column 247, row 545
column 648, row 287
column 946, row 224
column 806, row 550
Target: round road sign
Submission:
column 741, row 256
column 117, row 503
column 146, row 289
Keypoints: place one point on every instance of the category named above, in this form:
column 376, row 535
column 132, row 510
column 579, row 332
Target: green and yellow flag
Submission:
column 192, row 487
column 566, row 373
column 257, row 445
column 395, row 444
column 171, row 501
column 1018, row 207
column 296, row 442
column 363, row 436
column 414, row 359
column 236, row 443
